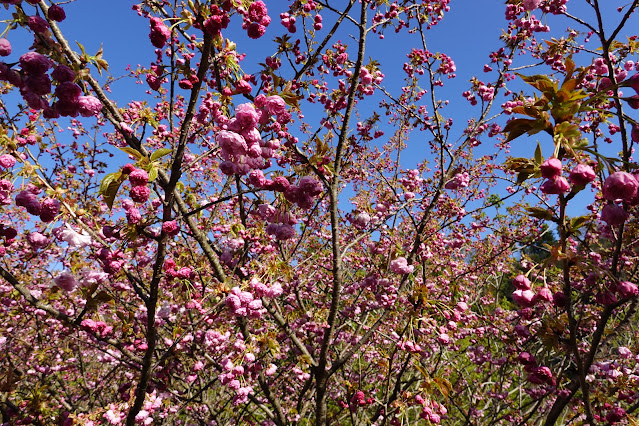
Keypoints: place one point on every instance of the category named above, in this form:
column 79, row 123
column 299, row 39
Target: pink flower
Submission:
column 68, row 91
column 255, row 30
column 154, row 81
column 400, row 266
column 6, row 187
column 56, row 13
column 246, row 115
column 626, row 289
column 613, row 214
column 62, row 73
column 524, row 298
column 231, row 142
column 89, row 106
column 284, row 232
column 217, row 21
column 138, row 177
column 73, row 238
column 171, row 228
column 361, row 219
column 37, row 24
column 257, row 10
column 37, row 240
column 558, row 185
column 34, row 63
column 544, row 294
column 40, row 84
column 531, row 4
column 582, row 175
column 274, row 105
column 310, row 186
column 65, row 281
column 50, row 207
column 551, row 168
column 460, row 180
column 5, row 47
column 159, row 34
column 7, row 161
column 521, row 282
column 140, row 194
column 620, row 185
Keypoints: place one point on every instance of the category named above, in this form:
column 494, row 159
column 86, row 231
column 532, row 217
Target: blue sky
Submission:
column 468, row 33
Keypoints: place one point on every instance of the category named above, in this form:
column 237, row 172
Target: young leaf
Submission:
column 160, row 153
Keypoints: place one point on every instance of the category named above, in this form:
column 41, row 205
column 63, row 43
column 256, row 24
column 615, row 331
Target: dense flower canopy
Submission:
column 277, row 222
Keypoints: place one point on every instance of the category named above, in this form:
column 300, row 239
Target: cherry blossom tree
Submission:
column 320, row 240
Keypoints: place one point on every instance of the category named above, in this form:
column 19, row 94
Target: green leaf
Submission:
column 539, row 213
column 538, row 157
column 131, row 151
column 578, row 222
column 540, row 82
column 108, row 179
column 109, row 187
column 153, row 173
column 160, row 153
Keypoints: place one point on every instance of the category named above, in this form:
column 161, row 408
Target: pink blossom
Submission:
column 68, row 91
column 170, row 228
column 460, row 180
column 37, row 24
column 50, row 207
column 138, row 177
column 551, row 168
column 400, row 266
column 521, row 282
column 34, row 63
column 558, row 185
column 247, row 116
column 160, row 33
column 56, row 13
column 626, row 289
column 62, row 73
column 72, row 237
column 5, row 47
column 524, row 298
column 310, row 186
column 624, row 352
column 284, row 232
column 620, row 185
column 5, row 192
column 231, row 142
column 531, row 4
column 89, row 106
column 66, row 281
column 544, row 294
column 255, row 30
column 613, row 214
column 582, row 175
column 275, row 105
column 140, row 194
column 7, row 161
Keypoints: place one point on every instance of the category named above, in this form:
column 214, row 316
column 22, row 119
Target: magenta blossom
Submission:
column 613, row 214
column 56, row 13
column 558, row 185
column 551, row 168
column 7, row 161
column 524, row 298
column 521, row 282
column 582, row 175
column 400, row 266
column 620, row 185
column 66, row 281
column 5, row 47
